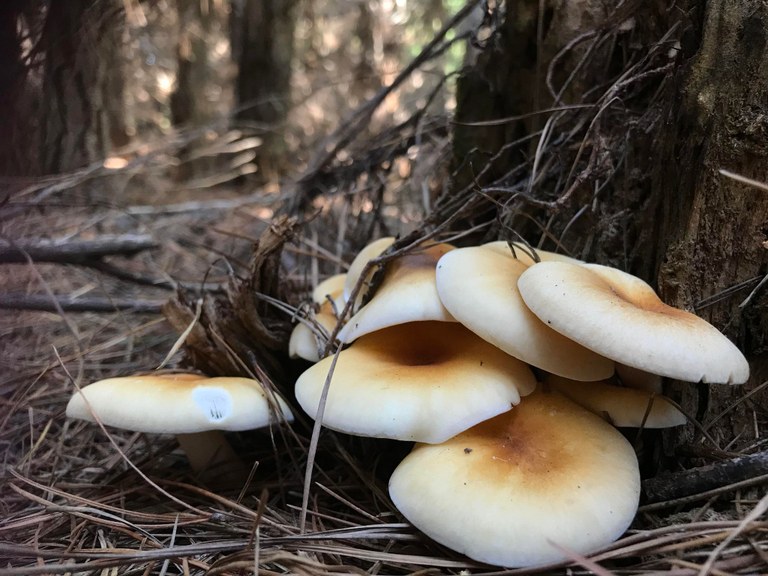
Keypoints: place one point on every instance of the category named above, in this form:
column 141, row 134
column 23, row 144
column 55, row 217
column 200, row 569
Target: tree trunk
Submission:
column 674, row 93
column 188, row 101
column 264, row 78
column 712, row 230
column 17, row 147
column 82, row 97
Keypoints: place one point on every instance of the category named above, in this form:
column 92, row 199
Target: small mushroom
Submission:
column 478, row 286
column 355, row 271
column 622, row 406
column 305, row 342
column 520, row 488
column 194, row 408
column 424, row 381
column 407, row 294
column 620, row 317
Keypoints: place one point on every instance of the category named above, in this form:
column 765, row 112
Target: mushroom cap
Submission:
column 304, row 342
column 371, row 251
column 332, row 287
column 639, row 379
column 522, row 253
column 423, row 381
column 623, row 406
column 407, row 294
column 478, row 286
column 621, row 317
column 510, row 489
column 177, row 404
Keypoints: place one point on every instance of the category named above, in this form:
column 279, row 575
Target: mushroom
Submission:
column 519, row 489
column 194, row 408
column 639, row 379
column 305, row 342
column 424, row 381
column 478, row 286
column 620, row 317
column 371, row 251
column 407, row 294
column 520, row 251
column 622, row 406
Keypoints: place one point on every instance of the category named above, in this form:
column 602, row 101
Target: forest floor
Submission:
column 75, row 497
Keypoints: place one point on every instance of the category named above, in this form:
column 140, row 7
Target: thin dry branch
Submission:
column 66, row 251
column 68, row 303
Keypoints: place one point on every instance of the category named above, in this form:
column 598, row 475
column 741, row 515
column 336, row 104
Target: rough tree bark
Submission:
column 17, row 150
column 263, row 83
column 83, row 109
column 189, row 105
column 666, row 213
column 711, row 229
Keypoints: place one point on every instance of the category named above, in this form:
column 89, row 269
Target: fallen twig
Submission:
column 74, row 251
column 706, row 478
column 44, row 303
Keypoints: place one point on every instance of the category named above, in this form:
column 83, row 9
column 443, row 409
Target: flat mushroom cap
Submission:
column 508, row 490
column 623, row 406
column 423, row 381
column 407, row 294
column 478, row 286
column 177, row 404
column 621, row 317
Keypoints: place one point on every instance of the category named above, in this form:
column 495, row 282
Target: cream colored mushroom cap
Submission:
column 621, row 317
column 623, row 406
column 522, row 253
column 371, row 251
column 304, row 342
column 332, row 287
column 510, row 490
column 478, row 286
column 639, row 379
column 424, row 381
column 407, row 294
column 177, row 404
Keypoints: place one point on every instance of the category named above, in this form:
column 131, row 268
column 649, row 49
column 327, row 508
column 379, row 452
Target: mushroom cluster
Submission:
column 510, row 369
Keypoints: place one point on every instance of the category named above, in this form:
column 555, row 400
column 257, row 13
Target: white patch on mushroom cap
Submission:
column 214, row 403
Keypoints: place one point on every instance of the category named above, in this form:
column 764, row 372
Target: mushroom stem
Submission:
column 211, row 456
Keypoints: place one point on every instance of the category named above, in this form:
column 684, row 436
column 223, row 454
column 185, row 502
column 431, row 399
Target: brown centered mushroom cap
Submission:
column 177, row 404
column 478, row 286
column 510, row 489
column 407, row 294
column 621, row 317
column 622, row 406
column 423, row 381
